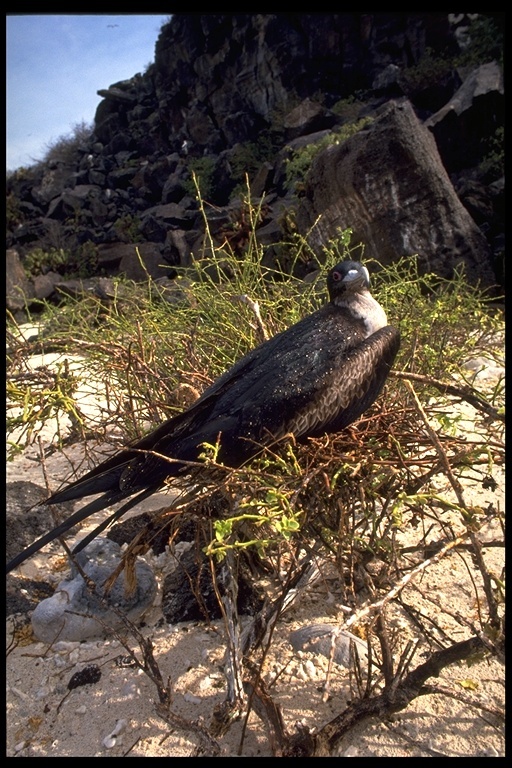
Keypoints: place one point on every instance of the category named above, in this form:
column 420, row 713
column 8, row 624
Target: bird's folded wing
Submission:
column 350, row 384
column 107, row 475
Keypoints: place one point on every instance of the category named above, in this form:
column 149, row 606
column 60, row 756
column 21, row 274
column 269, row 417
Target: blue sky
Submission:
column 55, row 66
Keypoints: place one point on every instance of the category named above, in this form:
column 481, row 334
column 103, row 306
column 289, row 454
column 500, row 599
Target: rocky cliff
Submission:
column 236, row 94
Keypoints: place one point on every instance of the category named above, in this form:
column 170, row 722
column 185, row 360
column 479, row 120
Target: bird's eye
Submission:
column 336, row 276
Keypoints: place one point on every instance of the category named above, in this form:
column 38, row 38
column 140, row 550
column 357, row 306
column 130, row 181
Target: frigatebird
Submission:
column 316, row 377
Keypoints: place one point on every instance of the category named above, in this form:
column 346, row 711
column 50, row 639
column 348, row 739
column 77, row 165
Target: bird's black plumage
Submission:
column 316, row 377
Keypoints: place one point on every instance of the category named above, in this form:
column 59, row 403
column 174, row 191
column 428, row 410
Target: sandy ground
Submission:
column 116, row 716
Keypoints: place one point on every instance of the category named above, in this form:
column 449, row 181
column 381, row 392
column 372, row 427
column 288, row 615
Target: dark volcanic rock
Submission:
column 308, row 117
column 23, row 595
column 231, row 94
column 188, row 592
column 24, row 522
column 18, row 287
column 462, row 126
column 388, row 183
column 143, row 259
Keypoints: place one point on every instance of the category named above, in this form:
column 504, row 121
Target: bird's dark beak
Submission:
column 356, row 277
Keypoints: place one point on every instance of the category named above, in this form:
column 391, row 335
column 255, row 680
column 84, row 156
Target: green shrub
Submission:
column 298, row 165
column 38, row 261
column 13, row 214
column 248, row 157
column 210, row 327
column 485, row 43
column 127, row 228
column 84, row 262
column 81, row 261
column 203, row 168
column 493, row 164
column 429, row 70
column 65, row 149
column 348, row 108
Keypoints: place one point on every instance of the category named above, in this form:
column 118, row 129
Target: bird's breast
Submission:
column 364, row 311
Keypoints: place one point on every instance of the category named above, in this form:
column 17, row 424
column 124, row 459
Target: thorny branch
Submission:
column 470, row 395
column 345, row 495
column 457, row 487
column 393, row 698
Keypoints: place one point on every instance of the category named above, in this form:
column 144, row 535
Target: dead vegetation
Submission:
column 375, row 525
column 373, row 514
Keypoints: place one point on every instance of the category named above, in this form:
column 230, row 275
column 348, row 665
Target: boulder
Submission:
column 188, row 591
column 75, row 612
column 25, row 520
column 18, row 288
column 462, row 127
column 308, row 117
column 44, row 285
column 54, row 180
column 177, row 248
column 226, row 95
column 143, row 260
column 389, row 185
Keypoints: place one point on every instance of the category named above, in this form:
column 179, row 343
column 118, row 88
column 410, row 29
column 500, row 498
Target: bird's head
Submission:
column 347, row 277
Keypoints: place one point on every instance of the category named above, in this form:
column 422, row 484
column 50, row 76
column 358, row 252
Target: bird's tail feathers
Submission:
column 117, row 514
column 106, row 482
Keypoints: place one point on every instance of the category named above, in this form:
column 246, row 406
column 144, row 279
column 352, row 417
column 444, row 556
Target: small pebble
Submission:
column 65, row 646
column 111, row 740
column 191, row 698
column 130, row 690
column 310, row 669
column 24, row 696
